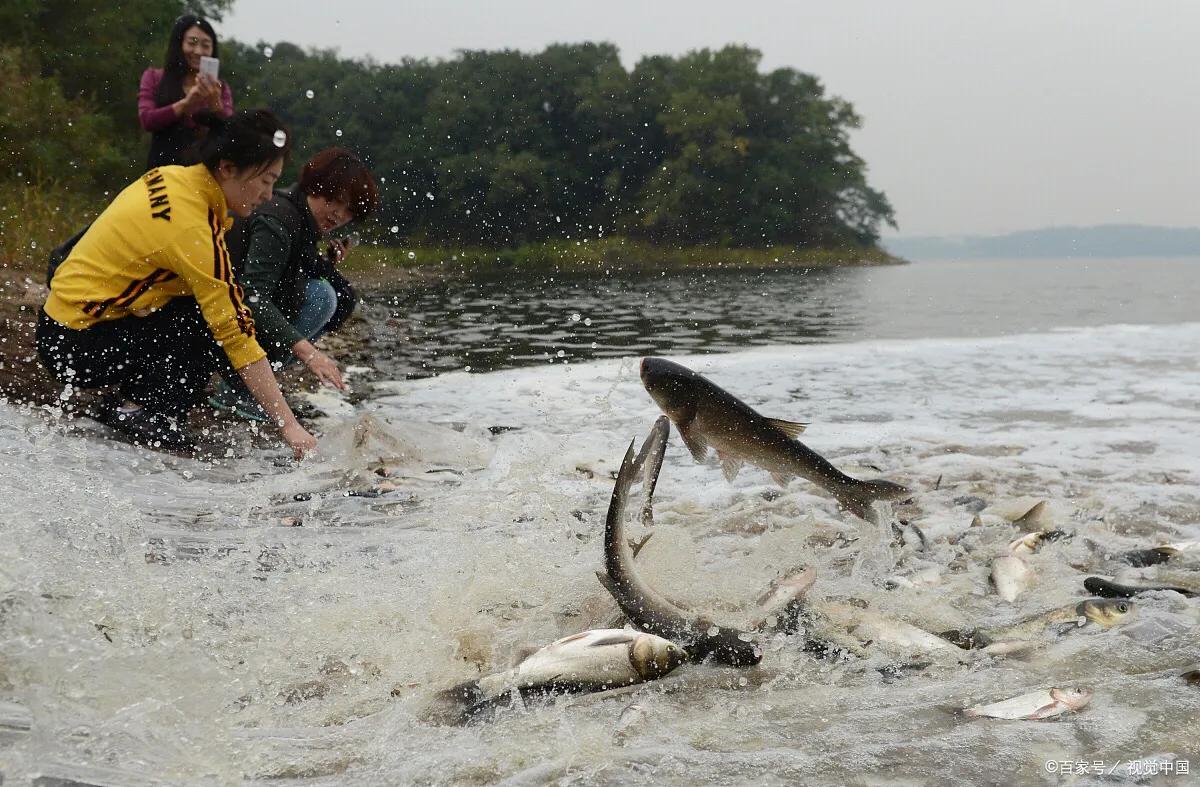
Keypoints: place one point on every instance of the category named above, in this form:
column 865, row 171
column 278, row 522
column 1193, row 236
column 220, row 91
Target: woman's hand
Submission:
column 297, row 437
column 325, row 368
column 200, row 96
column 338, row 249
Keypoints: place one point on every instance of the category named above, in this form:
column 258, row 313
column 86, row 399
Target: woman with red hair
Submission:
column 293, row 287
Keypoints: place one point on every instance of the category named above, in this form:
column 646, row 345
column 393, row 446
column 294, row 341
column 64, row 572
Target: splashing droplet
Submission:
column 280, row 138
column 338, row 132
column 309, row 94
column 268, row 51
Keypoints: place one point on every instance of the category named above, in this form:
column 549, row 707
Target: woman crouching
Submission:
column 147, row 300
column 293, row 286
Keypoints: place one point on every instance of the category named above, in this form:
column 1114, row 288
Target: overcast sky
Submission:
column 977, row 118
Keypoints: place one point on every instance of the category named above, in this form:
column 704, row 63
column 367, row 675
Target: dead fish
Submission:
column 644, row 606
column 708, row 416
column 593, row 660
column 1041, row 704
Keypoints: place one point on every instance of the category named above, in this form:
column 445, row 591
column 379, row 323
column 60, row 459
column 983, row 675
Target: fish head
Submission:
column 675, row 389
column 1106, row 612
column 653, row 656
column 1072, row 698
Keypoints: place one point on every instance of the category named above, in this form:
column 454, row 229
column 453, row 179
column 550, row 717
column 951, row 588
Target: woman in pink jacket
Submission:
column 170, row 97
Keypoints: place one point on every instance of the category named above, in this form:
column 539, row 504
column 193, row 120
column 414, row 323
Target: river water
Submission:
column 160, row 622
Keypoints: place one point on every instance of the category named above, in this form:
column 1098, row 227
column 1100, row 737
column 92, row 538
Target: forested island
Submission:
column 529, row 155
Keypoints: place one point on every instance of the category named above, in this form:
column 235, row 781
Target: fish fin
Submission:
column 977, row 521
column 622, row 638
column 792, row 429
column 1047, row 710
column 695, row 443
column 636, row 546
column 608, row 584
column 1033, row 518
column 730, row 465
column 781, row 478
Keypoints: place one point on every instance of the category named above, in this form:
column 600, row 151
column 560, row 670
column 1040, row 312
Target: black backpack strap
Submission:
column 59, row 255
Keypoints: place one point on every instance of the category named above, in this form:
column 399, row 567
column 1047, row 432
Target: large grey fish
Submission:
column 708, row 416
column 594, row 660
column 645, row 607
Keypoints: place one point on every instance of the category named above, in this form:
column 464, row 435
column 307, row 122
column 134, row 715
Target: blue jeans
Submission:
column 320, row 302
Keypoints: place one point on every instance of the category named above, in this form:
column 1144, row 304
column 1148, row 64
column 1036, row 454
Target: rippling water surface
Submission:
column 164, row 620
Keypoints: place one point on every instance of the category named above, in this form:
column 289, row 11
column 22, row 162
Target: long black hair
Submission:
column 175, row 68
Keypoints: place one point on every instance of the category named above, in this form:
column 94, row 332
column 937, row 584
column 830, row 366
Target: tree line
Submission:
column 494, row 148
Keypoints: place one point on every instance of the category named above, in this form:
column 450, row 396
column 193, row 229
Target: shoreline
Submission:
column 376, row 269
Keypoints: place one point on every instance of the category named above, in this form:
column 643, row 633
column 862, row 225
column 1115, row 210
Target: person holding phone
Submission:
column 291, row 280
column 171, row 97
column 146, row 298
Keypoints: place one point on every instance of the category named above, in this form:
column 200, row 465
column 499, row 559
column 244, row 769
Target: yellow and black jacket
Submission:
column 161, row 238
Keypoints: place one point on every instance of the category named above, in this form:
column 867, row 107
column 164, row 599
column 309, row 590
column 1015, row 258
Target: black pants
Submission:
column 162, row 361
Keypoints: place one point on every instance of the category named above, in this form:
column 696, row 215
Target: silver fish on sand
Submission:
column 1041, row 704
column 645, row 607
column 594, row 660
column 708, row 416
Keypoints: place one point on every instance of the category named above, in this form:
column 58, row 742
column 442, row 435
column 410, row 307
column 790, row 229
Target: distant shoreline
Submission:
column 1109, row 241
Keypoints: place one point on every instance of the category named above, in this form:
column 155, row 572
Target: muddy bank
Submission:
column 24, row 380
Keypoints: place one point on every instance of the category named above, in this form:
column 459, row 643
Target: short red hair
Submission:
column 339, row 175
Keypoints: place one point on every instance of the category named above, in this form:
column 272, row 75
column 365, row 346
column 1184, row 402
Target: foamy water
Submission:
column 159, row 623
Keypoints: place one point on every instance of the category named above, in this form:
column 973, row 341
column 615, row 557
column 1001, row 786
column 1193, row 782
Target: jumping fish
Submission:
column 1041, row 704
column 644, row 606
column 594, row 660
column 708, row 416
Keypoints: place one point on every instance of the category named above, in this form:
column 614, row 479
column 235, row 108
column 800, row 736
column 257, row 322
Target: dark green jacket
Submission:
column 275, row 253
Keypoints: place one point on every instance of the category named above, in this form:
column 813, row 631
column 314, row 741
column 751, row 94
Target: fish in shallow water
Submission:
column 644, row 606
column 1102, row 612
column 594, row 660
column 1130, row 583
column 708, row 416
column 1041, row 704
column 1010, row 576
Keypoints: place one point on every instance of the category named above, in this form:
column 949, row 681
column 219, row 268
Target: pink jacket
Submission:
column 156, row 118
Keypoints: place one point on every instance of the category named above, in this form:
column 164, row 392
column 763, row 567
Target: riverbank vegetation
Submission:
column 561, row 157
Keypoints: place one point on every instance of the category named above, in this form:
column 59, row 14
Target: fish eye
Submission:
column 1122, row 607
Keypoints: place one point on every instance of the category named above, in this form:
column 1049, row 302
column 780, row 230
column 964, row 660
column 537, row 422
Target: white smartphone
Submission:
column 210, row 66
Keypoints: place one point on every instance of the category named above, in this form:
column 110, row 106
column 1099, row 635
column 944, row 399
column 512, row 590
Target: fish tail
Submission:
column 861, row 495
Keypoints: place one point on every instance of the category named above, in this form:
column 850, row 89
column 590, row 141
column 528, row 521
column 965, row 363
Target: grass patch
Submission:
column 36, row 218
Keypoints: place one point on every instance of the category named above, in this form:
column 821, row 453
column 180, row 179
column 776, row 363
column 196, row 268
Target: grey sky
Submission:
column 977, row 118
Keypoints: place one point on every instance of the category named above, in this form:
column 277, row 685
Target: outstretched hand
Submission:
column 326, row 370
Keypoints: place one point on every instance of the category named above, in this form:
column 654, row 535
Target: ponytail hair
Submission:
column 251, row 138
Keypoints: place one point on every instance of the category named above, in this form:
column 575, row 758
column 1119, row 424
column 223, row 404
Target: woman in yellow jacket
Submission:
column 147, row 300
